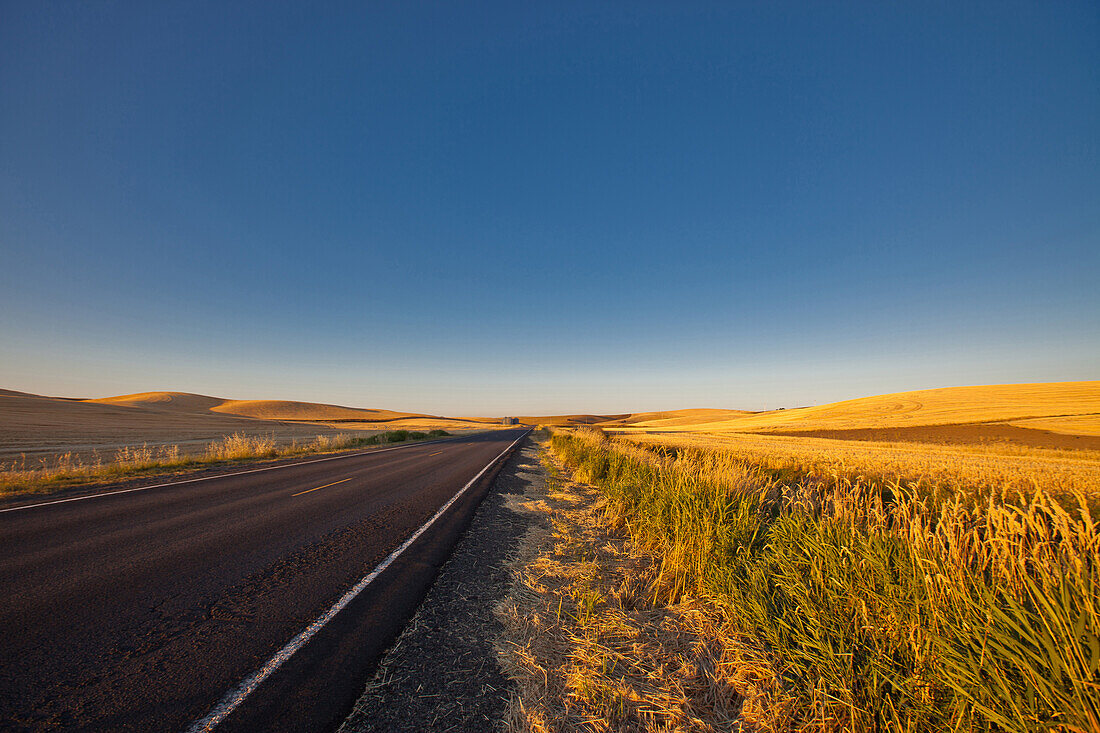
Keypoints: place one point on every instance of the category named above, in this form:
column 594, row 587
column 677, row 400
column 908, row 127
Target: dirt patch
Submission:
column 970, row 434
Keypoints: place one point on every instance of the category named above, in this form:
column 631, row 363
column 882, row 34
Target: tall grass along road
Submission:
column 146, row 610
column 866, row 597
column 69, row 469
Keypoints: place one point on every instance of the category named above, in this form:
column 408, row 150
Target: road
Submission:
column 144, row 610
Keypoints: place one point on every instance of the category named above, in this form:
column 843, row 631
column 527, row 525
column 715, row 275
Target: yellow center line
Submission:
column 320, row 487
column 435, row 454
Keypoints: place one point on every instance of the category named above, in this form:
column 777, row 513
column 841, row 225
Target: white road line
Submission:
column 211, row 478
column 236, row 696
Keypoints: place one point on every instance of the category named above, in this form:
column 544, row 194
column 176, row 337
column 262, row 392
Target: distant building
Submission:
column 510, row 421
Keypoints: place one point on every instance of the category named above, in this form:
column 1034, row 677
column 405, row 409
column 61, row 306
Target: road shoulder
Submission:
column 442, row 672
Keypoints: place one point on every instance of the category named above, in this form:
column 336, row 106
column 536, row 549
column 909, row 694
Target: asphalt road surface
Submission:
column 147, row 610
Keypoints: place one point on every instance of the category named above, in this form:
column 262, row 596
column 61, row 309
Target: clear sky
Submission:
column 462, row 207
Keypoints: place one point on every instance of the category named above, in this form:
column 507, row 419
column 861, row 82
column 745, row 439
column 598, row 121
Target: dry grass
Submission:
column 594, row 645
column 68, row 469
column 879, row 605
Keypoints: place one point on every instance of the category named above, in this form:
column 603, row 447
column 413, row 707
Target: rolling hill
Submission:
column 185, row 402
column 1045, row 415
column 674, row 418
column 1059, row 414
column 35, row 427
column 948, row 406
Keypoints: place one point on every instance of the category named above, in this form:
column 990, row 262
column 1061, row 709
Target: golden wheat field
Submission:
column 996, row 469
column 1034, row 436
column 944, row 579
column 886, row 587
column 1003, row 403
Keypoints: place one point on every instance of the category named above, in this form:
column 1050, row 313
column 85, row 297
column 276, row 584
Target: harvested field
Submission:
column 182, row 402
column 42, row 428
column 36, row 429
column 948, row 406
column 1032, row 433
column 1069, row 425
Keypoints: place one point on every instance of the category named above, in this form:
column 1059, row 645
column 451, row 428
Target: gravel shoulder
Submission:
column 442, row 673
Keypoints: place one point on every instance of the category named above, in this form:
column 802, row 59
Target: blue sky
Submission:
column 553, row 207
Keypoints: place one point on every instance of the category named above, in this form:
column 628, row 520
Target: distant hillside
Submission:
column 1006, row 403
column 36, row 427
column 674, row 418
column 163, row 401
column 33, row 425
column 259, row 409
column 1034, row 414
column 566, row 420
column 640, row 419
column 287, row 410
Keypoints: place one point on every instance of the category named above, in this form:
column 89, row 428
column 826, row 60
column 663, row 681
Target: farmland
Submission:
column 838, row 585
